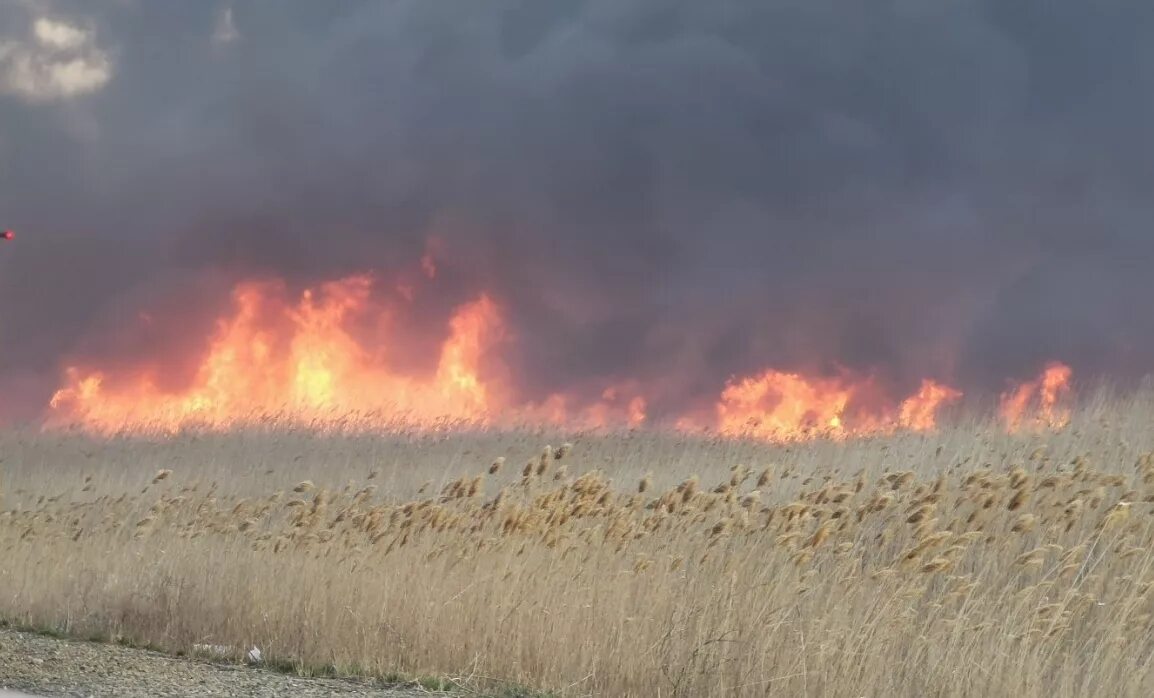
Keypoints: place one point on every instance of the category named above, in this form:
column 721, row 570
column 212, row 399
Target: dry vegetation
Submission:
column 967, row 562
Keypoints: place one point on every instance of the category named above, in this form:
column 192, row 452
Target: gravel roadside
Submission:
column 49, row 667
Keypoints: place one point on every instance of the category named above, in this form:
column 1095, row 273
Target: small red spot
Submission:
column 7, row 235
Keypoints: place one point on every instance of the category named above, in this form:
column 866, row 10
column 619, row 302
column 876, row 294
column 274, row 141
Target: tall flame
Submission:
column 298, row 359
column 473, row 329
column 919, row 411
column 1038, row 403
column 309, row 360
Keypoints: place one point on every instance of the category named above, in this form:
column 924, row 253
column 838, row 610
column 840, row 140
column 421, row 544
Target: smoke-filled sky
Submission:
column 671, row 191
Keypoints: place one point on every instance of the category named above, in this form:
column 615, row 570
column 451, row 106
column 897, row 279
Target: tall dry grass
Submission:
column 966, row 562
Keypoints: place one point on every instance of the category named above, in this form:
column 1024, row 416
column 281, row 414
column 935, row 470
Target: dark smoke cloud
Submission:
column 675, row 191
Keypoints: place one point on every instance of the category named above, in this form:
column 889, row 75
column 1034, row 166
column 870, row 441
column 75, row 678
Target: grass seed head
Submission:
column 645, row 483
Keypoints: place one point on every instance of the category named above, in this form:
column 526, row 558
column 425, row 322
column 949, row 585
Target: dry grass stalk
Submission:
column 906, row 562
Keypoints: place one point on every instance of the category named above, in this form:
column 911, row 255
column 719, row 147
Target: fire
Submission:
column 783, row 406
column 619, row 405
column 333, row 356
column 919, row 411
column 300, row 360
column 619, row 401
column 1037, row 403
column 472, row 330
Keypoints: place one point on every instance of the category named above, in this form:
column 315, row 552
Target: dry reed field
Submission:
column 965, row 562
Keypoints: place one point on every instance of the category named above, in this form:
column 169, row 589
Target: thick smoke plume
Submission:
column 673, row 192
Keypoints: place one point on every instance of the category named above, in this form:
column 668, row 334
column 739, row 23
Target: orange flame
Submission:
column 619, row 405
column 472, row 330
column 309, row 360
column 919, row 411
column 1037, row 403
column 299, row 359
column 784, row 406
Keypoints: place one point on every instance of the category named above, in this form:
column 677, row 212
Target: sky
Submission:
column 672, row 191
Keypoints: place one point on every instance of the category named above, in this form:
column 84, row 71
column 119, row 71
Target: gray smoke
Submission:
column 672, row 191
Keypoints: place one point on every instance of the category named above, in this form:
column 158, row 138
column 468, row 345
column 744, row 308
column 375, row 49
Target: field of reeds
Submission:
column 966, row 562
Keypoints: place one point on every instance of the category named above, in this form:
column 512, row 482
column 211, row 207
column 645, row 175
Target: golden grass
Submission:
column 966, row 562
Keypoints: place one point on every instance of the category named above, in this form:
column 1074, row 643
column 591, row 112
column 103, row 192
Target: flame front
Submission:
column 310, row 360
column 299, row 361
column 788, row 406
column 1039, row 403
column 919, row 411
column 781, row 406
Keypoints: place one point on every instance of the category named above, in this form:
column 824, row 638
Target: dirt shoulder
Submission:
column 50, row 667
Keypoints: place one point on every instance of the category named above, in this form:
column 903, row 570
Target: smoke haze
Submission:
column 675, row 192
